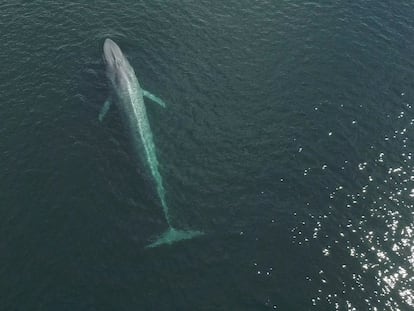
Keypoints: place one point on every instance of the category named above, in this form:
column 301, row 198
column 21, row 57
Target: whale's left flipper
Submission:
column 105, row 109
column 153, row 98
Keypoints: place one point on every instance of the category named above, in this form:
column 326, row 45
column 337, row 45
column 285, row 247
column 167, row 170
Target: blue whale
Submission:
column 129, row 97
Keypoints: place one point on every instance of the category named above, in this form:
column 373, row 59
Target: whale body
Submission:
column 129, row 97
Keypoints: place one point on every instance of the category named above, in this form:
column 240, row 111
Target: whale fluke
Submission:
column 173, row 235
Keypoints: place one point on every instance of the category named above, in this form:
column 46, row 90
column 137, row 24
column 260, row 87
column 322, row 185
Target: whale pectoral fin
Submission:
column 105, row 109
column 153, row 98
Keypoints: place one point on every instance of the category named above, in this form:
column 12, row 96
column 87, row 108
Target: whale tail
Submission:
column 173, row 235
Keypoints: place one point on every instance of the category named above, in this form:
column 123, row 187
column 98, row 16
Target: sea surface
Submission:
column 288, row 139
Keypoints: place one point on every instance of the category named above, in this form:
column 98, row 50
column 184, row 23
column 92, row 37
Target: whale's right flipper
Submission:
column 105, row 109
column 154, row 98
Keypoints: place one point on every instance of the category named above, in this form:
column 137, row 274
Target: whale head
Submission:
column 117, row 66
column 112, row 54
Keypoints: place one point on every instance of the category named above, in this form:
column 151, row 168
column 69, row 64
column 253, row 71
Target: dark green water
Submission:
column 287, row 140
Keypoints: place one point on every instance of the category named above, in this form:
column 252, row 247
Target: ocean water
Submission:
column 287, row 139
